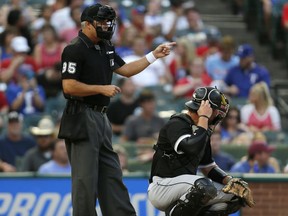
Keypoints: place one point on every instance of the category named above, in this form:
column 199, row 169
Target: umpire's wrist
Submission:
column 150, row 57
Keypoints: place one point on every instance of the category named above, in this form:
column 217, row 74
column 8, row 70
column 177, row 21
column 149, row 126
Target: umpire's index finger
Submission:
column 170, row 44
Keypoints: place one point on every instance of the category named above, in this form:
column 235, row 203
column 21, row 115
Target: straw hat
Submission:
column 45, row 127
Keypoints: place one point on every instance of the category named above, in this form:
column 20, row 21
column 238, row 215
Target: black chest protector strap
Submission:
column 170, row 164
column 184, row 117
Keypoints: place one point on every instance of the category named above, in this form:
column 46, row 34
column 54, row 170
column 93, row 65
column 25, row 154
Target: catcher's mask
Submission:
column 105, row 16
column 217, row 101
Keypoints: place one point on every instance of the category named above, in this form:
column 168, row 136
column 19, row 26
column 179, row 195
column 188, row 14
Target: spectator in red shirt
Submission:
column 197, row 77
column 285, row 16
column 184, row 53
column 20, row 59
column 3, row 102
column 260, row 114
column 48, row 52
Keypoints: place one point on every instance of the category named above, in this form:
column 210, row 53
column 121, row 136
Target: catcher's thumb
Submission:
column 250, row 202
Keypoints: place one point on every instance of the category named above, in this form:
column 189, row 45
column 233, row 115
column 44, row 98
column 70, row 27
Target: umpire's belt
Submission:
column 101, row 109
column 77, row 106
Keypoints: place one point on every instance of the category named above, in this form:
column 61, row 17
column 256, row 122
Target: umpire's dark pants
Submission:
column 96, row 171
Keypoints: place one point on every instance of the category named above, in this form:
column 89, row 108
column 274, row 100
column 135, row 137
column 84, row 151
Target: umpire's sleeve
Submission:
column 71, row 63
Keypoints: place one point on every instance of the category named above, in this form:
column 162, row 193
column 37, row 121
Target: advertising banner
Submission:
column 51, row 196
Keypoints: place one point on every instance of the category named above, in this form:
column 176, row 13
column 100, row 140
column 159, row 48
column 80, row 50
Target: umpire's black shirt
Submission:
column 91, row 64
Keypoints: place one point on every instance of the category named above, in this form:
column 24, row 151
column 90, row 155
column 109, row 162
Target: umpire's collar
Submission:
column 85, row 39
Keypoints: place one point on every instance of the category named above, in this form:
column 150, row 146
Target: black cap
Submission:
column 14, row 117
column 90, row 12
column 98, row 12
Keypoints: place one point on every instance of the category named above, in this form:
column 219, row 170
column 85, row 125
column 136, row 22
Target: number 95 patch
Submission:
column 70, row 67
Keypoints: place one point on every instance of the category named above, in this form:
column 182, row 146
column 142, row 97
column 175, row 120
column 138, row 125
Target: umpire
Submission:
column 88, row 63
column 183, row 146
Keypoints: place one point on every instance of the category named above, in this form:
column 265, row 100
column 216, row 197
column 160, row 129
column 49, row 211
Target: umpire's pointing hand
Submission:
column 111, row 90
column 163, row 49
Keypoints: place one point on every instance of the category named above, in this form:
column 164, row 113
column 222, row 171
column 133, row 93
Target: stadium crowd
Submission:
column 31, row 102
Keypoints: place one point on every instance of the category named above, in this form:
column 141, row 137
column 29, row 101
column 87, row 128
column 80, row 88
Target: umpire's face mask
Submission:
column 104, row 29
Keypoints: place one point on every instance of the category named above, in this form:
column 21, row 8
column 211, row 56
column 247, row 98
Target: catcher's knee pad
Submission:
column 199, row 194
column 204, row 188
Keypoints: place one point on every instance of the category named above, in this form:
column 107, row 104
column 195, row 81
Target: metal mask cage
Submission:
column 104, row 33
column 109, row 24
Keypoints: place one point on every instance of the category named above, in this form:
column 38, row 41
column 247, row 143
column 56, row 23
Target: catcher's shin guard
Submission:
column 232, row 206
column 200, row 193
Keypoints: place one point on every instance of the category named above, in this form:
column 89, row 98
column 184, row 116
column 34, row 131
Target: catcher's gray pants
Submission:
column 96, row 172
column 162, row 192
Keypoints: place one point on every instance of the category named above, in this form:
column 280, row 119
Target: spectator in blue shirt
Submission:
column 257, row 160
column 241, row 78
column 59, row 162
column 26, row 96
column 14, row 144
column 217, row 65
column 222, row 159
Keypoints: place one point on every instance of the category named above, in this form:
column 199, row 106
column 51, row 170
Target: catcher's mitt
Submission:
column 239, row 188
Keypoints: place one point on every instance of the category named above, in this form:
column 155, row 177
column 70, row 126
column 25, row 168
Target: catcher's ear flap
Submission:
column 216, row 120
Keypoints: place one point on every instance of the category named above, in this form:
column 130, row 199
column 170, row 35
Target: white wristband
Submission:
column 150, row 57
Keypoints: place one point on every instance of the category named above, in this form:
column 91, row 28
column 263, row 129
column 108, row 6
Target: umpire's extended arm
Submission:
column 76, row 88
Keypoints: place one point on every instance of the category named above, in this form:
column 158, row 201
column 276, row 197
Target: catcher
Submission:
column 183, row 146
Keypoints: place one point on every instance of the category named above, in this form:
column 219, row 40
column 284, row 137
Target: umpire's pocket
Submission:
column 73, row 126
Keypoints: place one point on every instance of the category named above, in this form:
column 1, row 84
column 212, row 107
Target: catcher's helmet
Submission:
column 217, row 100
column 101, row 13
